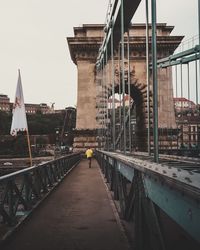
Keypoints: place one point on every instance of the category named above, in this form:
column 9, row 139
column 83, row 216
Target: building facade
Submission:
column 188, row 123
column 181, row 103
column 7, row 106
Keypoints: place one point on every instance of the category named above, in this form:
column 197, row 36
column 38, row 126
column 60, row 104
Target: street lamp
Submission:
column 57, row 137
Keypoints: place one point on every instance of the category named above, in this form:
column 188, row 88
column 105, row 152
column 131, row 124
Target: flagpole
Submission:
column 19, row 121
column 28, row 137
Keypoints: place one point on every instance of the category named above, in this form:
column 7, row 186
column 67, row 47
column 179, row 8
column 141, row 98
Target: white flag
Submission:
column 19, row 122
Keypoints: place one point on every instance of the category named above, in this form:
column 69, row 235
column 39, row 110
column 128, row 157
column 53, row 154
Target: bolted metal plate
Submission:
column 125, row 170
column 181, row 208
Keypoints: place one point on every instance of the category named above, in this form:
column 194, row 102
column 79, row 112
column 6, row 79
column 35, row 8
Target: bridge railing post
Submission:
column 21, row 191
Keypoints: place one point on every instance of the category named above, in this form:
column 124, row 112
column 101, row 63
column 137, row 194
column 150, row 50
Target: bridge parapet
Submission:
column 143, row 187
column 94, row 89
column 22, row 191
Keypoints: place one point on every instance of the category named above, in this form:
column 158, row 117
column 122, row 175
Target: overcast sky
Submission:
column 33, row 38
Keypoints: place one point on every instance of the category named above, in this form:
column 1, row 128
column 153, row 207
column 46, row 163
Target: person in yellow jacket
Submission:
column 89, row 154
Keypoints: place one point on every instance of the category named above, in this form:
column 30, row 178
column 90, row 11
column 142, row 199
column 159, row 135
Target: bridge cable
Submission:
column 155, row 83
column 147, row 76
column 98, row 103
column 188, row 79
column 199, row 44
column 176, row 80
column 198, row 107
column 196, row 80
column 113, row 91
column 106, row 93
column 120, row 102
column 176, row 87
column 123, row 80
column 129, row 91
column 104, row 98
column 182, row 118
column 102, row 66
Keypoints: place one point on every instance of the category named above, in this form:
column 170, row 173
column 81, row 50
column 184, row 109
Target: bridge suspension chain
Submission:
column 114, row 57
column 121, row 118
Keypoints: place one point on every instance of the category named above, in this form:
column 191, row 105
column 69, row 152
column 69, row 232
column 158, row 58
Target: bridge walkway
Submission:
column 78, row 215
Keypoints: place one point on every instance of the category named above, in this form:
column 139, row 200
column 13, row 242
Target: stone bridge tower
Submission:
column 84, row 48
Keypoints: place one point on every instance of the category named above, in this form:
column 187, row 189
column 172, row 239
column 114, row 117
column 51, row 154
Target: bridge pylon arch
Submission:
column 84, row 48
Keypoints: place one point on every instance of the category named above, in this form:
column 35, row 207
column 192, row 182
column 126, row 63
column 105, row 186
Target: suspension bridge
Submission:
column 143, row 190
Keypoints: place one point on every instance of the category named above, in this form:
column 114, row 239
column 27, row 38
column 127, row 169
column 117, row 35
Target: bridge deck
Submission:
column 78, row 215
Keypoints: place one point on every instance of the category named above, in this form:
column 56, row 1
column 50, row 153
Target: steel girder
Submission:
column 113, row 25
column 140, row 184
column 180, row 58
column 21, row 191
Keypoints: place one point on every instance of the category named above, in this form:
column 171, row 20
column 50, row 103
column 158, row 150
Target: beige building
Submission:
column 5, row 104
column 183, row 103
column 117, row 102
column 189, row 131
column 93, row 91
column 188, row 123
column 34, row 108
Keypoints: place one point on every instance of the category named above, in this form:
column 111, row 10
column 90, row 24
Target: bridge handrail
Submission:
column 180, row 58
column 113, row 22
column 185, row 159
column 175, row 191
column 28, row 169
column 178, row 177
column 23, row 190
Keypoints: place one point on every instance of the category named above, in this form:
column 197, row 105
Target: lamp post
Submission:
column 57, row 137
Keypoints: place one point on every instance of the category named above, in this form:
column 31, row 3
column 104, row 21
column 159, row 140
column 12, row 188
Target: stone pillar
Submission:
column 166, row 111
column 86, row 103
column 86, row 107
column 84, row 49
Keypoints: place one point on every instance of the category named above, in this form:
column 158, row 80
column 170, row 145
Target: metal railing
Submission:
column 22, row 191
column 143, row 189
column 181, row 71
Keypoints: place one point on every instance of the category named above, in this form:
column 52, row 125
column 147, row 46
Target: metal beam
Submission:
column 175, row 191
column 181, row 208
column 155, row 81
column 184, row 57
column 114, row 22
column 183, row 60
column 148, row 75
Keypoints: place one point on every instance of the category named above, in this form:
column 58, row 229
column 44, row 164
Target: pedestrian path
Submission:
column 78, row 215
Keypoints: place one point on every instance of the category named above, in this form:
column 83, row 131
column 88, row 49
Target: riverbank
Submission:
column 9, row 165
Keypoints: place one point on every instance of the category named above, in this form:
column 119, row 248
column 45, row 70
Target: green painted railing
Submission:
column 22, row 191
column 146, row 192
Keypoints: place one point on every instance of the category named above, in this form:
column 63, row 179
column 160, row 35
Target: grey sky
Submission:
column 33, row 38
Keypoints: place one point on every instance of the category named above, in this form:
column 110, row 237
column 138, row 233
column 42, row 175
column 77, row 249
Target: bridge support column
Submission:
column 86, row 133
column 84, row 49
column 84, row 139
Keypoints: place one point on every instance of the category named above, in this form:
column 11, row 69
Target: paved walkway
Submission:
column 77, row 216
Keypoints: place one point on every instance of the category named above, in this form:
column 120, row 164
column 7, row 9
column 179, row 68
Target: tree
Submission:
column 5, row 123
column 20, row 146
